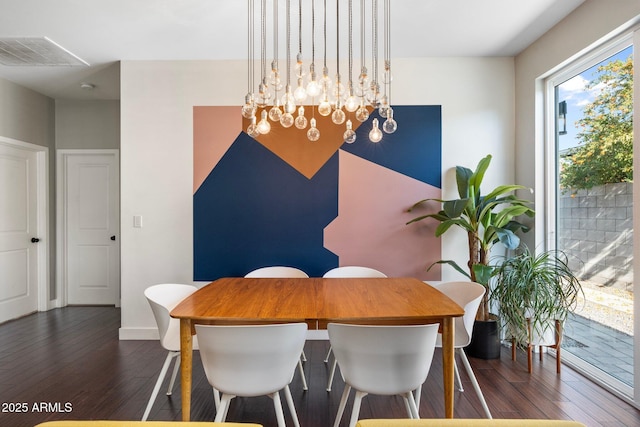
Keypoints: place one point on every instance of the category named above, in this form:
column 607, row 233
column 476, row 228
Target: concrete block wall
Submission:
column 595, row 227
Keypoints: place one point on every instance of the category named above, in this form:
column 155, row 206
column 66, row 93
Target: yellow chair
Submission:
column 460, row 422
column 105, row 423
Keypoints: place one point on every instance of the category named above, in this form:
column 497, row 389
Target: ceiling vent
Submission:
column 36, row 51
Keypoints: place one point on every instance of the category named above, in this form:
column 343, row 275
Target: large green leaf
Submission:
column 445, row 225
column 477, row 177
column 452, row 264
column 503, row 189
column 421, row 202
column 483, row 273
column 463, row 175
column 508, row 213
column 454, row 208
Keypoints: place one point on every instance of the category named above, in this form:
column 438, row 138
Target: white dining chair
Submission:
column 467, row 295
column 163, row 298
column 277, row 271
column 347, row 271
column 254, row 360
column 382, row 360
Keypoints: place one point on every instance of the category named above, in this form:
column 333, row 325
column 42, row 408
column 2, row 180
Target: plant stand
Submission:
column 555, row 346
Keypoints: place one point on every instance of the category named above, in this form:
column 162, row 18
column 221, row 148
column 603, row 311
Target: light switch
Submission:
column 137, row 221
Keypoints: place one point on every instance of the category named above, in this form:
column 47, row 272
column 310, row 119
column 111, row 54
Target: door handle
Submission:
column 34, row 240
column 113, row 237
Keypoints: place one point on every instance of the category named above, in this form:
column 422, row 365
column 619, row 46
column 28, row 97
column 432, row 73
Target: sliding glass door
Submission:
column 591, row 214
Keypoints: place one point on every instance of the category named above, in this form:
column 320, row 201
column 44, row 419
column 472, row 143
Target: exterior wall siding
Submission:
column 595, row 229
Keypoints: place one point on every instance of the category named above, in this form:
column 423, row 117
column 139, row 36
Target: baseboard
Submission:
column 126, row 334
column 317, row 334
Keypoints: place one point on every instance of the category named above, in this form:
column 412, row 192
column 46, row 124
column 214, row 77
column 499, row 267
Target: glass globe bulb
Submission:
column 286, row 120
column 351, row 104
column 264, row 96
column 252, row 129
column 301, row 120
column 300, row 94
column 324, row 108
column 275, row 112
column 325, row 81
column 383, row 109
column 363, row 83
column 373, row 96
column 263, row 125
column 298, row 67
column 274, row 78
column 338, row 117
column 362, row 114
column 288, row 101
column 375, row 135
column 249, row 107
column 313, row 88
column 349, row 135
column 339, row 91
column 313, row 133
column 390, row 125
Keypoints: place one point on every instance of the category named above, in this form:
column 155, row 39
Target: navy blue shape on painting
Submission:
column 255, row 210
column 414, row 149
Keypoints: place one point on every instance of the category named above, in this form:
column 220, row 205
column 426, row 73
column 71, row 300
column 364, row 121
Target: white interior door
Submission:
column 18, row 226
column 91, row 224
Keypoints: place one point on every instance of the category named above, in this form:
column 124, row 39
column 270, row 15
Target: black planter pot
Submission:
column 485, row 340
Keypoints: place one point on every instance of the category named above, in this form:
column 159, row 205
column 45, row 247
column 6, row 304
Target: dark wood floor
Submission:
column 72, row 361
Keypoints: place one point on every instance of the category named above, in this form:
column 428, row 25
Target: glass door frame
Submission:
column 549, row 233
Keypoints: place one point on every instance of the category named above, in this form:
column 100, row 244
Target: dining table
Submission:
column 317, row 302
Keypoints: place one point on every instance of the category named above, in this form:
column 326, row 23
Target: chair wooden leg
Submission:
column 529, row 346
column 558, row 345
column 513, row 348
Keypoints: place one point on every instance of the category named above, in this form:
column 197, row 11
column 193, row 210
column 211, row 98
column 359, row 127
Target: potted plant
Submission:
column 487, row 220
column 534, row 291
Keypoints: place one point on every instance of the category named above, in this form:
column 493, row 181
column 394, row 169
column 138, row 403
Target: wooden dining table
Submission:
column 317, row 302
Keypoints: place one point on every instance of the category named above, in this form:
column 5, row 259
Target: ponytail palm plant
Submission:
column 534, row 288
column 487, row 220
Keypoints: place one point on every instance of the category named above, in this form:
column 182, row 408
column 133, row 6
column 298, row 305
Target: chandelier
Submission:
column 273, row 101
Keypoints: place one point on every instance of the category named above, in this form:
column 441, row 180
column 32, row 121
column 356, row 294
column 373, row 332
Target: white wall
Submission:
column 87, row 124
column 582, row 29
column 477, row 98
column 28, row 116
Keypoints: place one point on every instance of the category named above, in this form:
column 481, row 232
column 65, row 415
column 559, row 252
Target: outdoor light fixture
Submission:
column 562, row 117
column 345, row 101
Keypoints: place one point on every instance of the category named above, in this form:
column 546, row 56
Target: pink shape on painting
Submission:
column 215, row 129
column 370, row 229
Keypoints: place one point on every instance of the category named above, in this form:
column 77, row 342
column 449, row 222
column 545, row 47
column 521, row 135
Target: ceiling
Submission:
column 105, row 32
